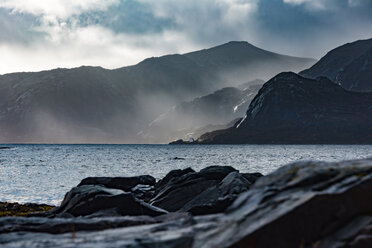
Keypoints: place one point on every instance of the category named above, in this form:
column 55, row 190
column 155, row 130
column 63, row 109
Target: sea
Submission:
column 44, row 173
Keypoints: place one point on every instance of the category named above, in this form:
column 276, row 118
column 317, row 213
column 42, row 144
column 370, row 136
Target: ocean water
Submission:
column 44, row 173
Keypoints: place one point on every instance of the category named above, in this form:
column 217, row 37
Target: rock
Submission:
column 176, row 234
column 252, row 177
column 171, row 175
column 63, row 225
column 90, row 199
column 178, row 158
column 143, row 192
column 123, row 183
column 178, row 142
column 217, row 198
column 304, row 204
column 180, row 190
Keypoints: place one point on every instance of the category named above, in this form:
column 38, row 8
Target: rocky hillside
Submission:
column 189, row 120
column 95, row 105
column 304, row 204
column 349, row 65
column 293, row 109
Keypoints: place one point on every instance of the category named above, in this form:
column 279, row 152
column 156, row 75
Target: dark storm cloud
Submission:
column 69, row 33
column 311, row 28
column 129, row 16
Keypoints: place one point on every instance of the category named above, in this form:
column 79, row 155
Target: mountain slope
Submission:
column 349, row 65
column 293, row 109
column 188, row 119
column 95, row 105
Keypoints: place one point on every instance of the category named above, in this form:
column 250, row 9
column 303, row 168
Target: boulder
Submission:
column 305, row 204
column 180, row 190
column 217, row 198
column 123, row 183
column 90, row 199
column 170, row 176
column 143, row 192
column 252, row 177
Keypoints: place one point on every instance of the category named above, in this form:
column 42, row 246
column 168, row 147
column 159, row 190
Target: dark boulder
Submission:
column 252, row 177
column 305, row 204
column 170, row 176
column 217, row 198
column 90, row 199
column 180, row 190
column 123, row 183
column 216, row 172
column 143, row 192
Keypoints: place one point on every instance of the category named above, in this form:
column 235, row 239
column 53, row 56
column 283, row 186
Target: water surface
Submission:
column 44, row 173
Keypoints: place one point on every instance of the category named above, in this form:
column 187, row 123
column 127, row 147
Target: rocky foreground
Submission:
column 304, row 204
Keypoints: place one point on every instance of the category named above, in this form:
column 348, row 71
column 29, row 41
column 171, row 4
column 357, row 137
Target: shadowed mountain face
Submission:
column 189, row 120
column 95, row 105
column 349, row 65
column 293, row 109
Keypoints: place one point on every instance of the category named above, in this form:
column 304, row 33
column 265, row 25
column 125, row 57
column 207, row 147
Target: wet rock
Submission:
column 63, row 225
column 299, row 205
column 90, row 199
column 177, row 234
column 178, row 158
column 180, row 190
column 123, row 183
column 143, row 192
column 217, row 198
column 170, row 176
column 252, row 177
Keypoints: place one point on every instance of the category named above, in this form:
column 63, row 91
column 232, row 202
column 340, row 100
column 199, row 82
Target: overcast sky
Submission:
column 37, row 35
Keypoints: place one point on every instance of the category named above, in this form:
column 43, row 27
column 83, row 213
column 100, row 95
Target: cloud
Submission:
column 37, row 35
column 319, row 5
column 56, row 8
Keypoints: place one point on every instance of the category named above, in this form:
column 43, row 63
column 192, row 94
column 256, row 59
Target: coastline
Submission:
column 217, row 205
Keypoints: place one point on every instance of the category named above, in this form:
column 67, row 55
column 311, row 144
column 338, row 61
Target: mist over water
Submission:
column 44, row 173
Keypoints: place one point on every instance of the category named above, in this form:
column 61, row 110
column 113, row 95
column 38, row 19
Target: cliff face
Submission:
column 293, row 109
column 349, row 65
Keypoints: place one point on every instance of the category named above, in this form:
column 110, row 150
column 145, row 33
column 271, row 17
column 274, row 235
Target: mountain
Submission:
column 96, row 105
column 292, row 109
column 190, row 119
column 349, row 65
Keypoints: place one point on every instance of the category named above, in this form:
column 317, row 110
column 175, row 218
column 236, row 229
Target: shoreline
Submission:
column 216, row 205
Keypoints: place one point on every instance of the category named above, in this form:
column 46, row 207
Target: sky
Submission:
column 38, row 35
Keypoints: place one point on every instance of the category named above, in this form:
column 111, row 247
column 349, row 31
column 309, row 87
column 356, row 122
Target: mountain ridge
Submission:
column 343, row 66
column 97, row 105
column 291, row 109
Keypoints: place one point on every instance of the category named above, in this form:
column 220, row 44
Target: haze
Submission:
column 38, row 35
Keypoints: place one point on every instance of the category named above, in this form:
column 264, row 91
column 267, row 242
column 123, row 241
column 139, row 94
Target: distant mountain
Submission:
column 192, row 118
column 293, row 109
column 95, row 105
column 349, row 65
